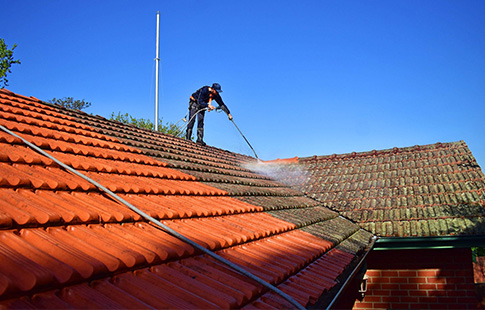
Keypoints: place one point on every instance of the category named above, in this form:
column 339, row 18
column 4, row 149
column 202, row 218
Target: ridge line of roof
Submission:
column 389, row 151
column 73, row 113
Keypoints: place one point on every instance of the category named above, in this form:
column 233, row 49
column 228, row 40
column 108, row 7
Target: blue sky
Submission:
column 301, row 78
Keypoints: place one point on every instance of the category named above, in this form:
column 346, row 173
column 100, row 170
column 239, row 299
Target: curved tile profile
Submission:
column 429, row 190
column 64, row 243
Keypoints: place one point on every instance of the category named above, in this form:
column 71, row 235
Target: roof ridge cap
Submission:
column 281, row 160
column 394, row 150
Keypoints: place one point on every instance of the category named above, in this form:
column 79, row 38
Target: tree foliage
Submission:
column 69, row 102
column 168, row 128
column 6, row 61
column 477, row 252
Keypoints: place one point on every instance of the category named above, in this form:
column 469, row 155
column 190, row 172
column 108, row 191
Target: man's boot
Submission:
column 200, row 136
column 188, row 136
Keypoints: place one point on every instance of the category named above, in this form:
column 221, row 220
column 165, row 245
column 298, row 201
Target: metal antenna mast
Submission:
column 157, row 62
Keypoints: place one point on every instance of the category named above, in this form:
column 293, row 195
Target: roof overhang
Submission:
column 441, row 242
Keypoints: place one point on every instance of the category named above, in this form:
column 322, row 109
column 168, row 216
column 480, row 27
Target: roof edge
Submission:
column 355, row 270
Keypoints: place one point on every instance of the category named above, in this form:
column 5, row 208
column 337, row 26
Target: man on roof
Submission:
column 198, row 103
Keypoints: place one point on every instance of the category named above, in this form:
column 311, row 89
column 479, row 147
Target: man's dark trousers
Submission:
column 194, row 107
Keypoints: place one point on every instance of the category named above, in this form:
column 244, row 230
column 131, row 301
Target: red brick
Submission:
column 417, row 280
column 427, row 286
column 427, row 273
column 447, row 300
column 445, row 286
column 390, row 286
column 381, row 280
column 380, row 306
column 373, row 273
column 436, row 280
column 360, row 305
column 391, row 299
column 428, row 299
column 456, row 293
column 409, row 299
column 381, row 292
column 437, row 293
column 399, row 280
column 384, row 280
column 372, row 299
column 400, row 306
column 418, row 293
column 408, row 273
column 418, row 306
column 401, row 293
column 389, row 273
column 408, row 286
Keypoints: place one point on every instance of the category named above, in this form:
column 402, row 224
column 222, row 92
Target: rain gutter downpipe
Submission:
column 160, row 224
column 352, row 275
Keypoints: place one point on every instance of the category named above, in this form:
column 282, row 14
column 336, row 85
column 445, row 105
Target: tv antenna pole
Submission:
column 157, row 62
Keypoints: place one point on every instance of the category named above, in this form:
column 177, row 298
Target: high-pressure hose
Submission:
column 183, row 127
column 160, row 224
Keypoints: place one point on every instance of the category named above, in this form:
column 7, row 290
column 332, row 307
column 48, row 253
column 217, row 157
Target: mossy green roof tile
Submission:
column 427, row 190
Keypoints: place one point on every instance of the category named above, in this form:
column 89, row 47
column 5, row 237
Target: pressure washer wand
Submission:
column 232, row 120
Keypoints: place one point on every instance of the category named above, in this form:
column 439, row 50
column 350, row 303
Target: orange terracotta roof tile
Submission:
column 66, row 243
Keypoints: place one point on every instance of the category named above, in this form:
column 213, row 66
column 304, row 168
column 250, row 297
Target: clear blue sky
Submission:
column 301, row 78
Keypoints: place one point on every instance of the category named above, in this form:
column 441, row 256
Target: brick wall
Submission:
column 419, row 279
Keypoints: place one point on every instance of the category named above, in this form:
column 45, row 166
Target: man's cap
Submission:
column 217, row 87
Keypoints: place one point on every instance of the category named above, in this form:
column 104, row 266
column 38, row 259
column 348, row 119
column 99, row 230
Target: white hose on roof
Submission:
column 161, row 225
column 184, row 126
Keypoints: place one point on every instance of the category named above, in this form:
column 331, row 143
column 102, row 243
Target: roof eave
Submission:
column 327, row 301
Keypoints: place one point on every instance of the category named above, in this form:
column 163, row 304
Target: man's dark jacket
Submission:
column 201, row 98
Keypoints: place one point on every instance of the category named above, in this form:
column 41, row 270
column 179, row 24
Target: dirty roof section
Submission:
column 65, row 243
column 428, row 190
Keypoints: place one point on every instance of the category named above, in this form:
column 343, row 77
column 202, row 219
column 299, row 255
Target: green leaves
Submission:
column 476, row 252
column 168, row 128
column 69, row 102
column 6, row 61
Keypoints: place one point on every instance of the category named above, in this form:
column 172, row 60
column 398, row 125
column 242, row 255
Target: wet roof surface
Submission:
column 428, row 190
column 67, row 244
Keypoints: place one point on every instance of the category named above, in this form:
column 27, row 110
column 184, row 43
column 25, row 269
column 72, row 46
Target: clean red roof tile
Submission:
column 65, row 243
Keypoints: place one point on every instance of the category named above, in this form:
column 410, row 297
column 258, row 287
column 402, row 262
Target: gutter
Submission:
column 441, row 242
column 352, row 275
